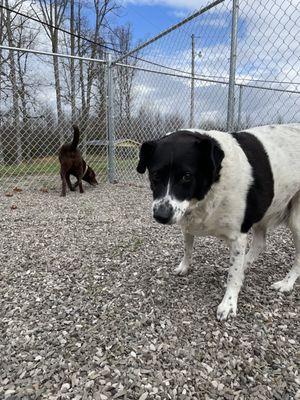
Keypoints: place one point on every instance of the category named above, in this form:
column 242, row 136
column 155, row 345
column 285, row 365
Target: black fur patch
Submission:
column 188, row 162
column 261, row 192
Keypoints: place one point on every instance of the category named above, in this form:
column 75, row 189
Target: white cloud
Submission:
column 267, row 50
column 185, row 4
column 178, row 13
column 168, row 95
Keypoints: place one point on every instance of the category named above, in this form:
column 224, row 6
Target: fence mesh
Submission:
column 161, row 99
column 31, row 132
column 268, row 61
column 177, row 81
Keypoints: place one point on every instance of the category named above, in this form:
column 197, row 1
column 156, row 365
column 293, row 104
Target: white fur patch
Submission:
column 179, row 207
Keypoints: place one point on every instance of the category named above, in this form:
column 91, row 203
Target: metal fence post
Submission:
column 231, row 95
column 192, row 110
column 111, row 170
column 239, row 117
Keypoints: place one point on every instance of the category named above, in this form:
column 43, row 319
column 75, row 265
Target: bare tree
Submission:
column 52, row 12
column 122, row 43
column 101, row 9
column 16, row 82
column 87, row 72
column 72, row 61
column 69, row 66
column 24, row 38
column 92, row 74
column 14, row 86
column 81, row 52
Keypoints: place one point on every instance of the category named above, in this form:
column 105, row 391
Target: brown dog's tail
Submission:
column 75, row 140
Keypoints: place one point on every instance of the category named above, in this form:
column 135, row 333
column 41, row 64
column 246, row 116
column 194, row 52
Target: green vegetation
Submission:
column 50, row 166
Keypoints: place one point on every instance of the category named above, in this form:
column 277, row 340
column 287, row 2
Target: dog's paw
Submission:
column 283, row 286
column 227, row 308
column 182, row 269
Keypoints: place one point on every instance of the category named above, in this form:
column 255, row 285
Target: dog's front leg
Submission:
column 184, row 266
column 235, row 278
column 80, row 185
column 64, row 183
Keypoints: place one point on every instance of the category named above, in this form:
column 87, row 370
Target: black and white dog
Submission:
column 220, row 184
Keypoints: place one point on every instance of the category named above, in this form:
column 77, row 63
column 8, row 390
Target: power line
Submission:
column 123, row 55
column 254, row 80
column 90, row 40
column 208, row 79
column 60, row 29
column 135, row 57
column 202, row 78
column 269, row 81
column 171, row 28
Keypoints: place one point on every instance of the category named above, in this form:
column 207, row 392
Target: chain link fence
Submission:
column 182, row 78
column 31, row 132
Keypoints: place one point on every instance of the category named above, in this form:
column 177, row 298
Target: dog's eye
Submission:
column 187, row 177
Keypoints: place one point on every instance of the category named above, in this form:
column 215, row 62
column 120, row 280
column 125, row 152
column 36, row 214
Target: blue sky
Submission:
column 148, row 20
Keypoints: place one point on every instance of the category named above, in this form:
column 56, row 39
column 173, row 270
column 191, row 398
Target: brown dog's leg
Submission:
column 80, row 176
column 71, row 187
column 80, row 185
column 64, row 183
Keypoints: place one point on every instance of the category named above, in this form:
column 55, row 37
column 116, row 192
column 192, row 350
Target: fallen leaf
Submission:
column 16, row 189
column 9, row 194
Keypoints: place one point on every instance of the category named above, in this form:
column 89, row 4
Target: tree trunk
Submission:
column 72, row 61
column 53, row 13
column 82, row 83
column 15, row 96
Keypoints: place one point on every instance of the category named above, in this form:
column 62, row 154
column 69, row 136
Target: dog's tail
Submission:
column 75, row 140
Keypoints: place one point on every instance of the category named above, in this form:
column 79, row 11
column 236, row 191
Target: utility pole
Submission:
column 192, row 110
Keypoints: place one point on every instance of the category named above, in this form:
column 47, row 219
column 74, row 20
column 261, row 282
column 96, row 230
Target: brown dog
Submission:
column 72, row 163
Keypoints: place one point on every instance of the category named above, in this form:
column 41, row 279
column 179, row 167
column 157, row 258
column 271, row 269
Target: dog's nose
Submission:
column 163, row 213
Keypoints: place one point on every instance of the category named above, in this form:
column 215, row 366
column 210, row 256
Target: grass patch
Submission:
column 50, row 166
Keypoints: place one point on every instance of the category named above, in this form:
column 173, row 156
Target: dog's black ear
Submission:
column 146, row 152
column 211, row 157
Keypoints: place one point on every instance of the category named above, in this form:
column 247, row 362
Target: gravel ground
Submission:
column 90, row 308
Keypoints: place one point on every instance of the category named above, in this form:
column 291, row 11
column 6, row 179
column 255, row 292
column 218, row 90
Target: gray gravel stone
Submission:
column 90, row 308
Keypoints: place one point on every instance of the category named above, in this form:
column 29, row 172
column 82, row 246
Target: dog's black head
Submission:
column 182, row 167
column 90, row 177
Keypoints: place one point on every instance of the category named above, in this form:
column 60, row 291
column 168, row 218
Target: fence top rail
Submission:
column 187, row 76
column 204, row 79
column 48, row 53
column 168, row 30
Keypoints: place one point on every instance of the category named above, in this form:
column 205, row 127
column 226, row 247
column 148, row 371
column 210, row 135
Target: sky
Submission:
column 268, row 52
column 147, row 20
